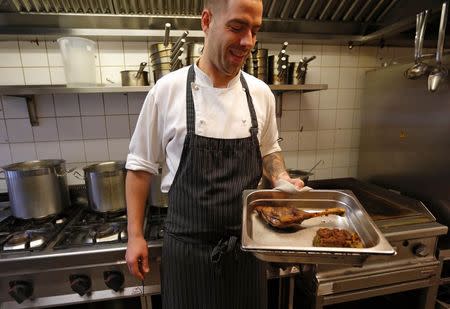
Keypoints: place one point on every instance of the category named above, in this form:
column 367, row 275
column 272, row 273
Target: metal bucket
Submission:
column 37, row 189
column 105, row 184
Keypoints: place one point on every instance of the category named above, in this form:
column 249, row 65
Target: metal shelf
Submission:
column 28, row 92
column 278, row 91
column 49, row 89
column 298, row 88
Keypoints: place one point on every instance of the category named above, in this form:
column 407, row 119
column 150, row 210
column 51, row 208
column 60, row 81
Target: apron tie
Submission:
column 224, row 246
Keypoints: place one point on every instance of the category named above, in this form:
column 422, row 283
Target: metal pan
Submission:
column 295, row 246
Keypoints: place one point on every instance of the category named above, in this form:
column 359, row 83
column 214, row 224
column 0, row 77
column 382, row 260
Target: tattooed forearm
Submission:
column 273, row 166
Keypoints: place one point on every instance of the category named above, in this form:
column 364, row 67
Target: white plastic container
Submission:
column 78, row 56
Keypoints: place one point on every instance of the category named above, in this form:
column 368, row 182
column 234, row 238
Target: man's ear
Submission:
column 206, row 20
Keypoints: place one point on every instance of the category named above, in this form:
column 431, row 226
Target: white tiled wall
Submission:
column 86, row 128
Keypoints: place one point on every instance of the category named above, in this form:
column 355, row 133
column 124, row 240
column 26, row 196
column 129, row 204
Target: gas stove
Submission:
column 409, row 227
column 74, row 257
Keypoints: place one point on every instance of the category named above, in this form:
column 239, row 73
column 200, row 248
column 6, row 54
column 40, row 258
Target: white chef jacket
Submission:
column 219, row 113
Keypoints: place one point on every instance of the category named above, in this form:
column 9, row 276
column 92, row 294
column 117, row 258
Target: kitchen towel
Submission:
column 286, row 186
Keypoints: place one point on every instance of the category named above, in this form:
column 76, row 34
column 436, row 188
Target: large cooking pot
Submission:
column 105, row 184
column 37, row 189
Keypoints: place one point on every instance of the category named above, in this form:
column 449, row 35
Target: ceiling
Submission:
column 360, row 21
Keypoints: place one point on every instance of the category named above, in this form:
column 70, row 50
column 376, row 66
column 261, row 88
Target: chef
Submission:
column 213, row 128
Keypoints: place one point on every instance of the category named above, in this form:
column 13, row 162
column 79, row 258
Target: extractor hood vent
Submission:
column 360, row 21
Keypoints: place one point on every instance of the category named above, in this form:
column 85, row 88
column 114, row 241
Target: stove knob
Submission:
column 114, row 279
column 20, row 290
column 421, row 250
column 80, row 284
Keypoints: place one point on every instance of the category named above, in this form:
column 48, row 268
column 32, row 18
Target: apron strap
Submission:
column 190, row 110
column 254, row 127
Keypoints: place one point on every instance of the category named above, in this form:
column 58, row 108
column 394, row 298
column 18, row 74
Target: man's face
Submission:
column 231, row 34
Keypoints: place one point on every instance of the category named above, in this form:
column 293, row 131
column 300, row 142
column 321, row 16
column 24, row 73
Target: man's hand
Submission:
column 137, row 257
column 297, row 182
column 275, row 169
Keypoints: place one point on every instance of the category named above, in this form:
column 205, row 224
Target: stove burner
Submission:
column 93, row 228
column 92, row 217
column 105, row 233
column 32, row 234
column 25, row 240
column 107, row 230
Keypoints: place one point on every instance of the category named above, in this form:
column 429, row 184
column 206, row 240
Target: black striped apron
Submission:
column 202, row 263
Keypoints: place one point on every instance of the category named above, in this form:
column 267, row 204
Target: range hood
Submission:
column 355, row 21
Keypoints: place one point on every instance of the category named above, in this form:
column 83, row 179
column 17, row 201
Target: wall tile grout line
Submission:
column 343, row 69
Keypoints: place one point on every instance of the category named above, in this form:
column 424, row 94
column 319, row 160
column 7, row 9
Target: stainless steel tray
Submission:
column 295, row 245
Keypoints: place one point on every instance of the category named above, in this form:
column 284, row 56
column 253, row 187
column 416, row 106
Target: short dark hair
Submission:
column 214, row 4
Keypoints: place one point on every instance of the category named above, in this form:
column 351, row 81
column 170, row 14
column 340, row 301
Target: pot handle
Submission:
column 141, row 69
column 64, row 173
column 78, row 175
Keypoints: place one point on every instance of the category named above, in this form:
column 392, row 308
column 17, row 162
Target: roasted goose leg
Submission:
column 283, row 217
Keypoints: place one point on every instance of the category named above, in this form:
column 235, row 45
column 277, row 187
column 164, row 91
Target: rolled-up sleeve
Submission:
column 269, row 135
column 145, row 145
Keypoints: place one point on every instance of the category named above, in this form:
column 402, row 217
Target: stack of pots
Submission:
column 279, row 70
column 37, row 189
column 194, row 51
column 105, row 184
column 160, row 59
column 257, row 64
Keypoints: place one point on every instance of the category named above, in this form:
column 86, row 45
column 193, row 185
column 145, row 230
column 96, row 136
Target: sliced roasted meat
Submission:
column 326, row 237
column 284, row 217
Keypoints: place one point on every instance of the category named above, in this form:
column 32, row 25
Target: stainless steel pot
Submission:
column 105, row 184
column 37, row 189
column 135, row 78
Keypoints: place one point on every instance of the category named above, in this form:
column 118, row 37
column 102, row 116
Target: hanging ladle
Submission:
column 419, row 68
column 439, row 72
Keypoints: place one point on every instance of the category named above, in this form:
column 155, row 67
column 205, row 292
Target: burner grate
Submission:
column 102, row 233
column 32, row 234
column 93, row 228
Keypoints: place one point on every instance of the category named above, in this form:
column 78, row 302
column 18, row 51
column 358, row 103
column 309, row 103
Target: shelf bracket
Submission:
column 278, row 103
column 32, row 112
column 31, row 107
